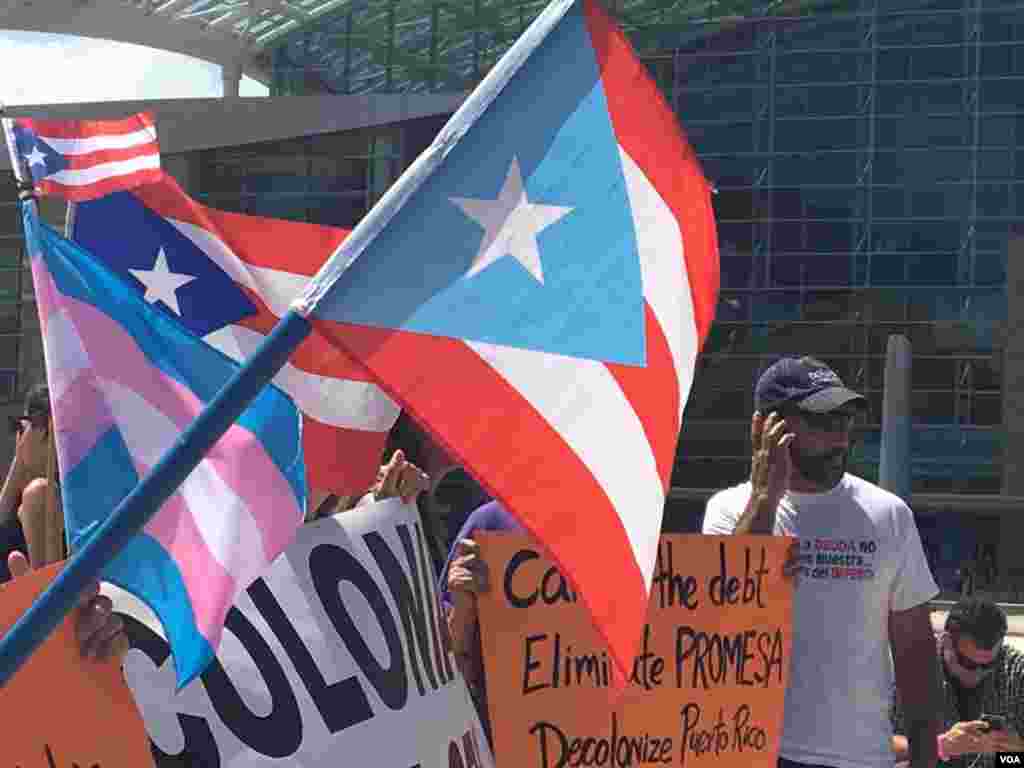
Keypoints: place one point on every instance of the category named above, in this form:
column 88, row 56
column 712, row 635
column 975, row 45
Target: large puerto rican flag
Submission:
column 85, row 159
column 535, row 290
column 228, row 277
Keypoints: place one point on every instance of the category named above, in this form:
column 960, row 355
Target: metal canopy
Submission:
column 358, row 46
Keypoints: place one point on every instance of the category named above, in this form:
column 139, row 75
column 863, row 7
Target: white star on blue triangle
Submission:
column 524, row 235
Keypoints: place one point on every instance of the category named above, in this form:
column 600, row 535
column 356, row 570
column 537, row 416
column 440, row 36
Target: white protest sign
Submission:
column 335, row 654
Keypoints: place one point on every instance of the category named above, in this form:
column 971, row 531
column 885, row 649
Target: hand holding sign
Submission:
column 100, row 633
column 59, row 711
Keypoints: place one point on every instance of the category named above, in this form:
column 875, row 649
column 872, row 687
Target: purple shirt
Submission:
column 491, row 516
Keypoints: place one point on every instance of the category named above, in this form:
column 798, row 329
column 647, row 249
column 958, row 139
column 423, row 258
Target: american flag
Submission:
column 228, row 278
column 85, row 159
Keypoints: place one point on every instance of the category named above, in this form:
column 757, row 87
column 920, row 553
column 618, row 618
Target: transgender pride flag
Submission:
column 125, row 380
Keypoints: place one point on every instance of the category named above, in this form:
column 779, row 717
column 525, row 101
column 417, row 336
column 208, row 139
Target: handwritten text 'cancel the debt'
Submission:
column 701, row 660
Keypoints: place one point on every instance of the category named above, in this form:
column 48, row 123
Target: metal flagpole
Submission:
column 136, row 509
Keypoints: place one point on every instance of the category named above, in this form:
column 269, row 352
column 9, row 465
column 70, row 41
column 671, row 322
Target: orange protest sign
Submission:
column 707, row 687
column 59, row 711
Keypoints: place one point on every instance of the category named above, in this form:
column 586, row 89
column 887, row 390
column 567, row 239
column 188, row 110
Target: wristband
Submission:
column 941, row 752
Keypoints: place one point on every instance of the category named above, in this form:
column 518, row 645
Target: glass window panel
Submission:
column 903, row 166
column 990, row 268
column 884, row 304
column 722, row 404
column 931, row 268
column 821, row 32
column 721, row 372
column 1002, row 95
column 998, row 130
column 932, row 407
column 708, row 473
column 791, row 101
column 717, row 104
column 10, row 250
column 1001, row 26
column 733, row 307
column 820, row 66
column 722, row 137
column 945, row 200
column 809, row 135
column 829, row 100
column 986, row 373
column 996, row 60
column 796, row 269
column 711, row 70
column 889, row 202
column 920, row 98
column 732, row 171
column 924, row 131
column 831, row 305
column 996, row 164
column 937, row 373
column 776, row 306
column 987, row 410
column 991, row 235
column 995, row 200
column 736, row 265
column 831, row 202
column 820, row 168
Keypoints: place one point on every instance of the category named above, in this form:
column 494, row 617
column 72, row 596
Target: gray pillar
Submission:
column 894, row 466
column 1011, row 527
column 231, row 74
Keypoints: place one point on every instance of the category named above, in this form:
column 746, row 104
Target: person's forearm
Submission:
column 759, row 515
column 14, row 484
column 900, row 748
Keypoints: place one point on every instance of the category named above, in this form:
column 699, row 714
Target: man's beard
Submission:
column 822, row 469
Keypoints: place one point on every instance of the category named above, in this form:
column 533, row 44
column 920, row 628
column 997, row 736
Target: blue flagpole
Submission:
column 139, row 506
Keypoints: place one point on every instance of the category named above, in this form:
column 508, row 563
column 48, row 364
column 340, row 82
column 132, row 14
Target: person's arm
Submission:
column 15, row 482
column 916, row 661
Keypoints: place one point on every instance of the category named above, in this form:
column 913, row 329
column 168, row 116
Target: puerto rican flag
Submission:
column 86, row 159
column 535, row 290
column 228, row 278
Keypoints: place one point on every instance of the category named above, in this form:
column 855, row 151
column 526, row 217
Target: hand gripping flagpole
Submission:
column 139, row 506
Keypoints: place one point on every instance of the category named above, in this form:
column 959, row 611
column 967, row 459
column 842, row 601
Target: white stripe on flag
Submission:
column 65, row 353
column 339, row 403
column 663, row 271
column 85, row 145
column 600, row 426
column 276, row 287
column 224, row 521
column 83, row 176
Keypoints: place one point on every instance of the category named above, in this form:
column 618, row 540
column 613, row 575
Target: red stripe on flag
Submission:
column 341, row 460
column 653, row 391
column 79, row 129
column 315, row 354
column 119, row 183
column 649, row 132
column 545, row 495
column 92, row 159
column 288, row 246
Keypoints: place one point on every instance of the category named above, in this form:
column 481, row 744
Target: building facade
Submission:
column 865, row 161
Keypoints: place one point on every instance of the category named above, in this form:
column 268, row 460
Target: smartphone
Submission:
column 995, row 722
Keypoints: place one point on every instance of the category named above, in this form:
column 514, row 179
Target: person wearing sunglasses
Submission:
column 30, row 520
column 860, row 609
column 982, row 681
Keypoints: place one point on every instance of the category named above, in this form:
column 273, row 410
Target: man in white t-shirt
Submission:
column 863, row 586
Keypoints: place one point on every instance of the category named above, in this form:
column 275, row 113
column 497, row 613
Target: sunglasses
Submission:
column 834, row 421
column 18, row 424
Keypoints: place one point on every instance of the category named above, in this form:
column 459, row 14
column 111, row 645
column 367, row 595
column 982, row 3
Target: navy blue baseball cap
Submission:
column 805, row 383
